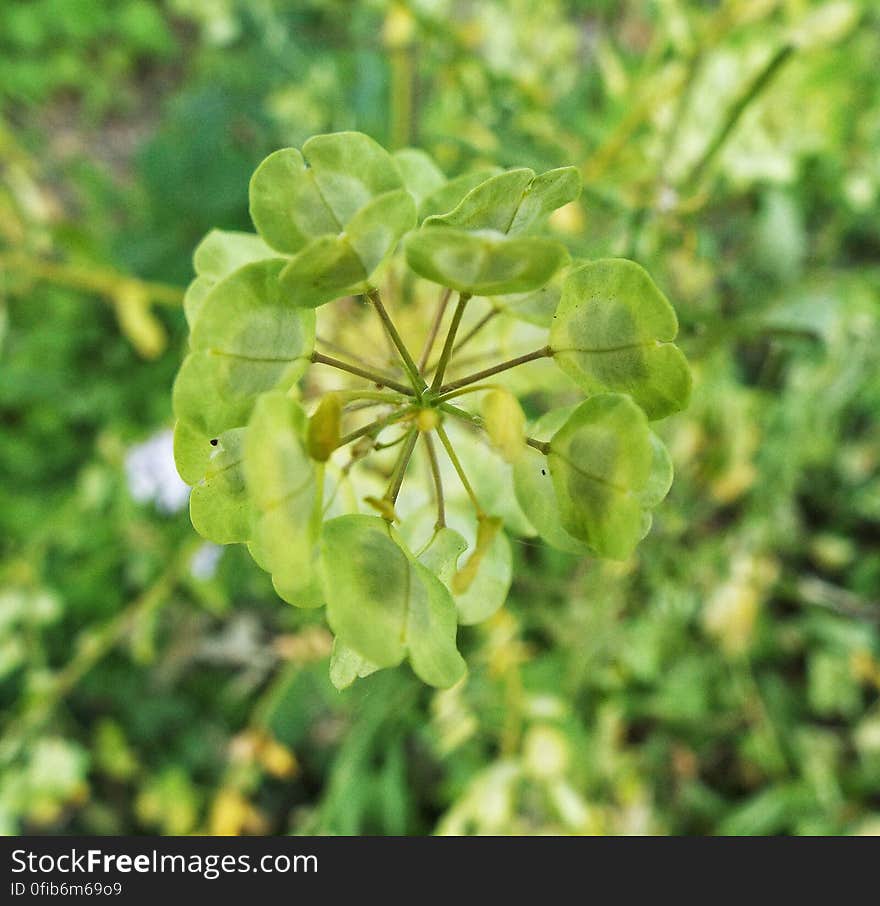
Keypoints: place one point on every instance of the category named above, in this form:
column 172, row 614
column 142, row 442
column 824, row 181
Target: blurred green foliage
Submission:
column 725, row 680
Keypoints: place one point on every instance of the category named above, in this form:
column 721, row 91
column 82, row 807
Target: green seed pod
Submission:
column 322, row 437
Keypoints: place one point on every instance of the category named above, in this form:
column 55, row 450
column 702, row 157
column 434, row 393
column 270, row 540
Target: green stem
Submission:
column 755, row 87
column 449, row 342
column 377, row 396
column 438, row 482
column 541, row 353
column 402, row 463
column 390, row 328
column 476, row 328
column 435, row 329
column 453, row 458
column 103, row 281
column 375, row 427
column 341, row 350
column 463, row 391
column 374, row 376
column 477, row 422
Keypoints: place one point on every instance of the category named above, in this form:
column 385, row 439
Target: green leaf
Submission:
column 334, row 266
column 346, row 666
column 535, row 307
column 286, row 204
column 483, row 264
column 195, row 295
column 383, row 604
column 614, row 329
column 192, row 450
column 445, row 197
column 545, row 193
column 201, row 399
column 600, row 460
column 492, row 205
column 350, row 170
column 223, row 251
column 339, row 208
column 283, row 485
column 489, row 587
column 442, row 553
column 219, row 506
column 660, row 479
column 219, row 254
column 247, row 339
column 490, row 475
column 421, row 176
column 534, row 489
column 512, row 202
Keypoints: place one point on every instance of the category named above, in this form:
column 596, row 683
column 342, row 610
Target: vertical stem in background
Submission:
column 408, row 363
column 401, row 96
column 397, row 35
column 449, row 343
column 438, row 481
column 755, row 87
column 435, row 328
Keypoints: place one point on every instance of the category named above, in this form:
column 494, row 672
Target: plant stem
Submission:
column 473, row 388
column 541, row 353
column 438, row 482
column 374, row 427
column 755, row 87
column 477, row 422
column 477, row 328
column 449, row 342
column 435, row 328
column 374, row 396
column 408, row 363
column 400, row 467
column 341, row 350
column 374, row 376
column 453, row 458
column 103, row 281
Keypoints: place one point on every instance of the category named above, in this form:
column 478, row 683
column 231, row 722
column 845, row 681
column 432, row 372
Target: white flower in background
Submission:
column 204, row 561
column 152, row 475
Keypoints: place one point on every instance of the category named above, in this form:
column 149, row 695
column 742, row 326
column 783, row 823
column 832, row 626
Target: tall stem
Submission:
column 449, row 342
column 752, row 90
column 374, row 376
column 435, row 328
column 411, row 368
column 542, row 353
column 438, row 481
column 456, row 464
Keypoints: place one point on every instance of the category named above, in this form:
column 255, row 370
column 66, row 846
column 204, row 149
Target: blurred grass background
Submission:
column 724, row 681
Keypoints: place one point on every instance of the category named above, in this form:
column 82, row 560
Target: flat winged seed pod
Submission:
column 477, row 247
column 391, row 492
column 607, row 471
column 338, row 208
column 614, row 330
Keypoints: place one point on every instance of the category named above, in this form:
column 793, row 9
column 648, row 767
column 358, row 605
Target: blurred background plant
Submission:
column 725, row 680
